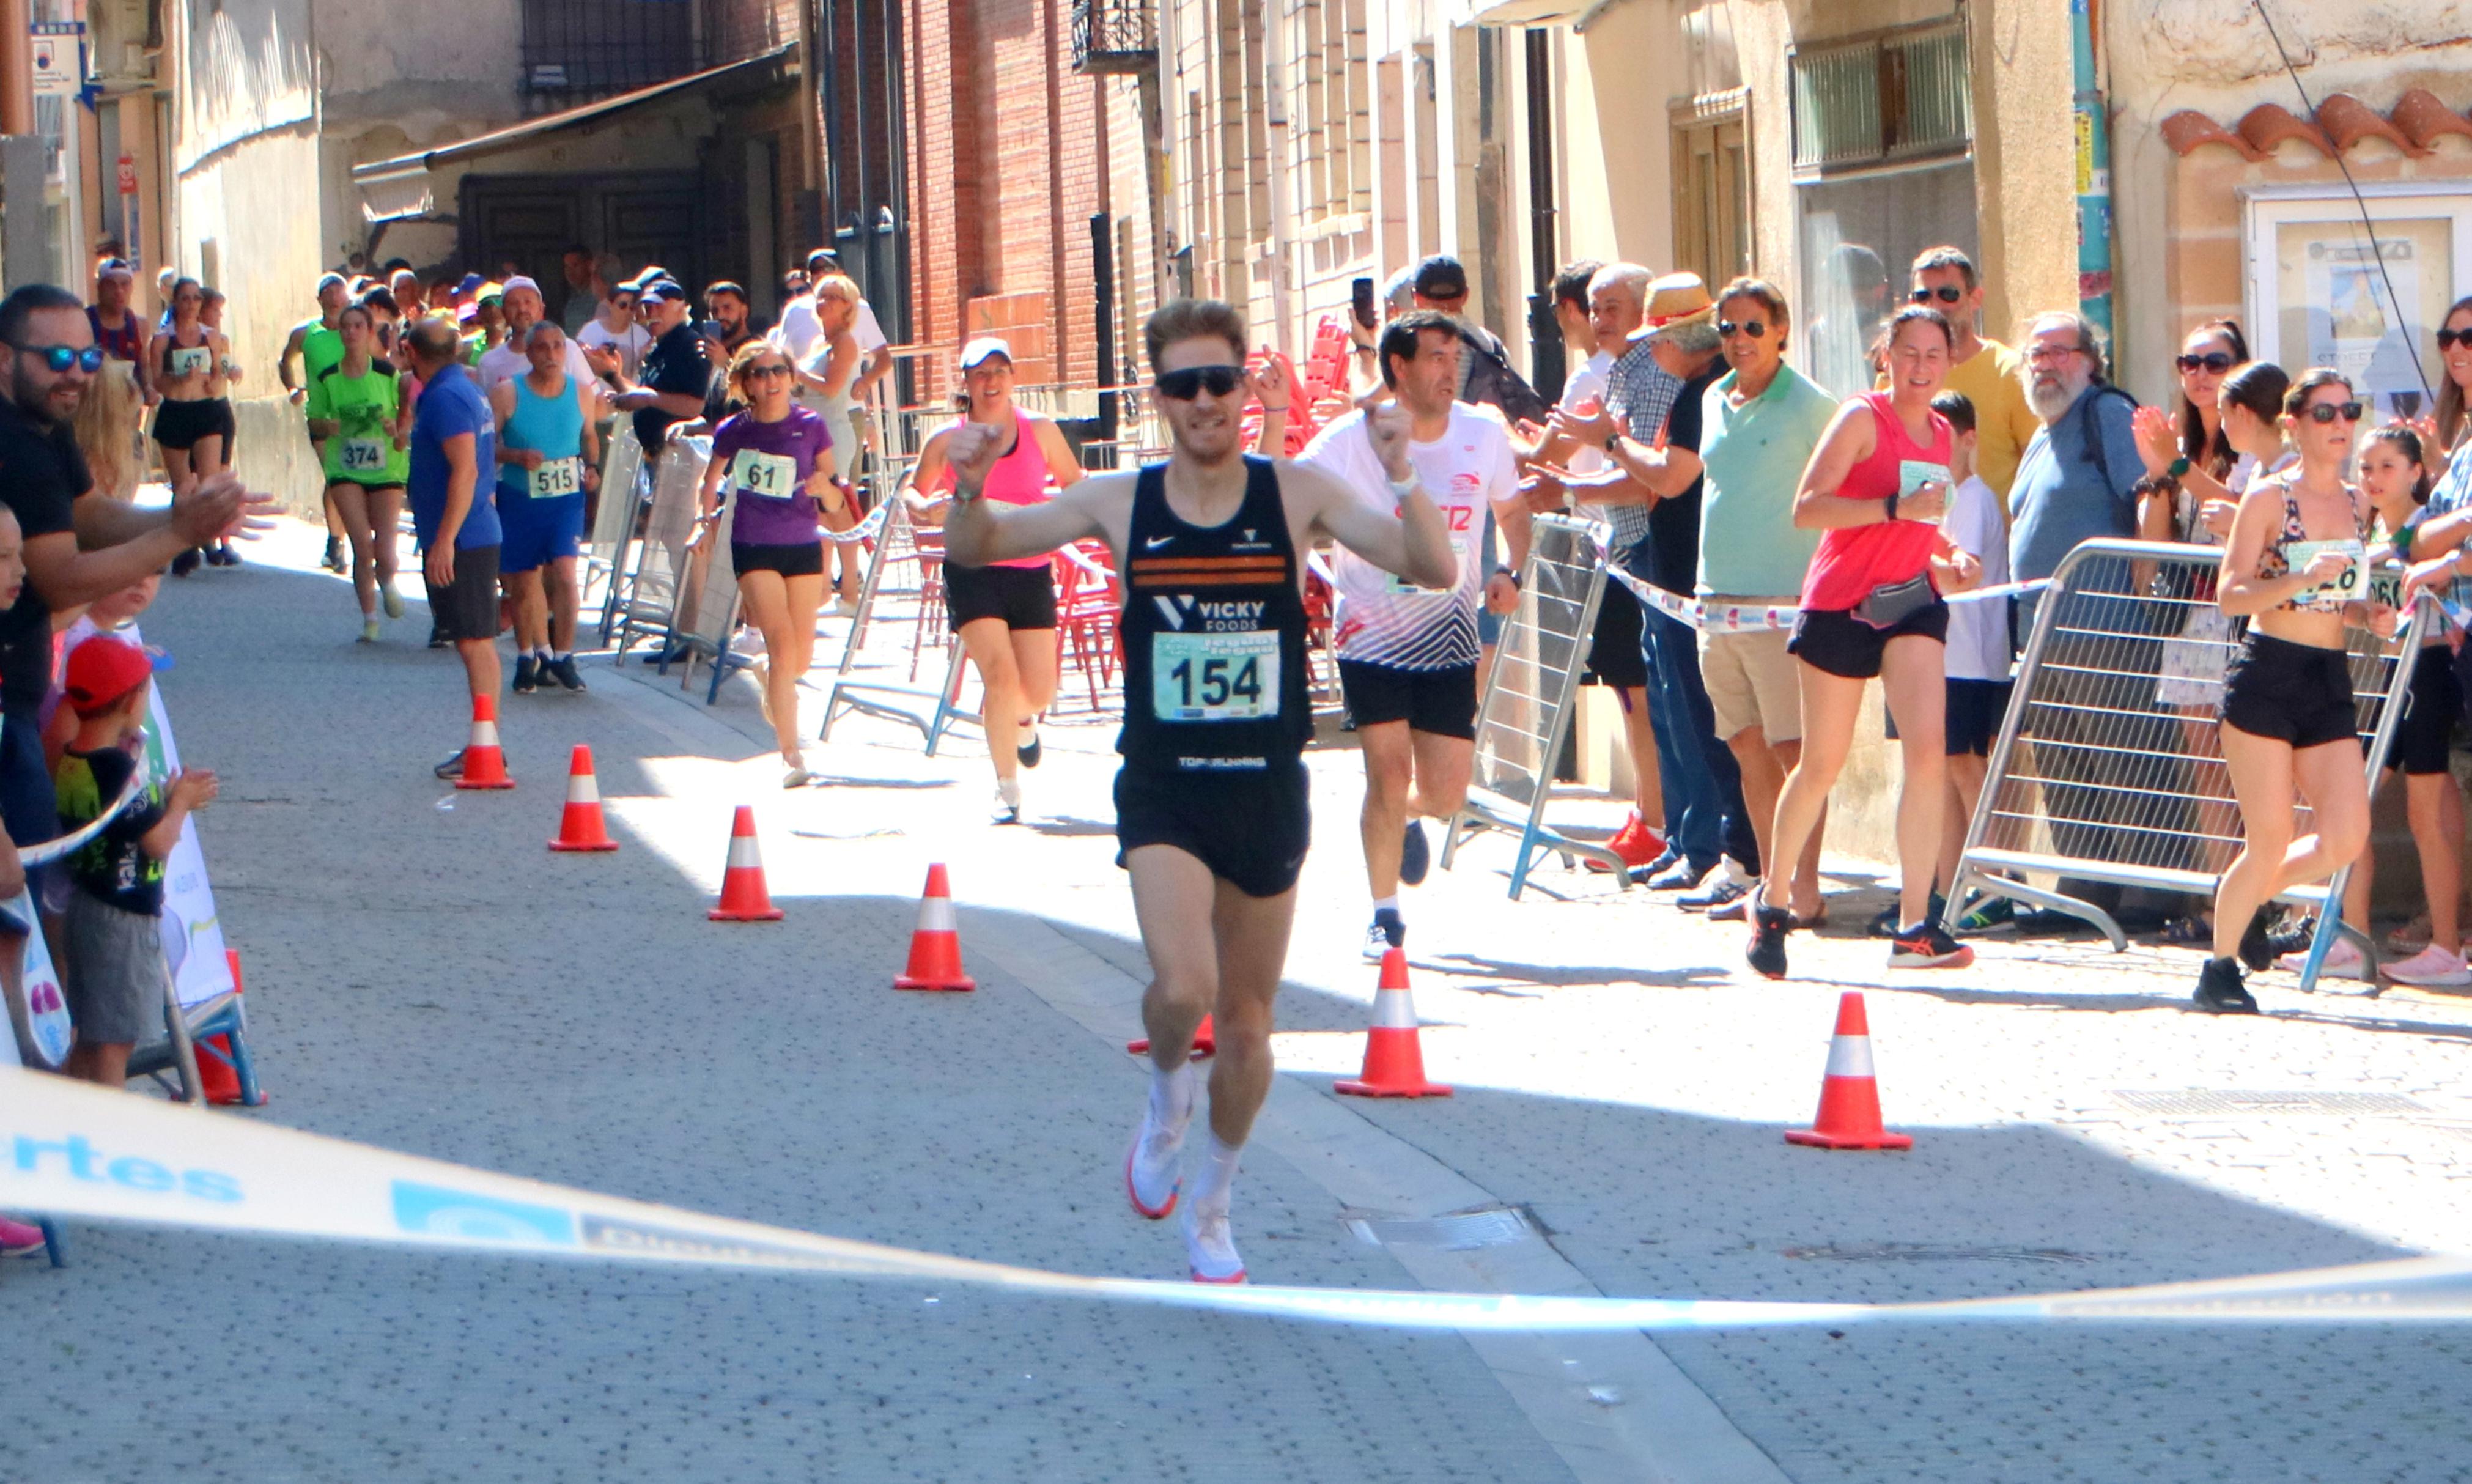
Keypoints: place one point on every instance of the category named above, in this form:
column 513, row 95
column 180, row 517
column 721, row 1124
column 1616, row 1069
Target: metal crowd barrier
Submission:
column 613, row 520
column 1525, row 712
column 2109, row 766
column 652, row 588
column 705, row 616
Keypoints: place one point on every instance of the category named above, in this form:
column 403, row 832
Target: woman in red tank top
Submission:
column 1871, row 607
column 1004, row 613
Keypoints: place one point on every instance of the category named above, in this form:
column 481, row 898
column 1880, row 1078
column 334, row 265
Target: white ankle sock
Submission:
column 1217, row 1177
column 1172, row 1096
column 1388, row 903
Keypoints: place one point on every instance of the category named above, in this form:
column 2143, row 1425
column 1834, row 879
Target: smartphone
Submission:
column 1362, row 294
column 709, row 329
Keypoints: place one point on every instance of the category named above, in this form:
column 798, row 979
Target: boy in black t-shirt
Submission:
column 115, row 973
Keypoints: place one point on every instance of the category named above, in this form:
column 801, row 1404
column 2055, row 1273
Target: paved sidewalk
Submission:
column 425, row 976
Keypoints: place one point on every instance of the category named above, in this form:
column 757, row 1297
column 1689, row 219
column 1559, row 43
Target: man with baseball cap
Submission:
column 676, row 376
column 1486, row 377
column 523, row 308
column 116, row 327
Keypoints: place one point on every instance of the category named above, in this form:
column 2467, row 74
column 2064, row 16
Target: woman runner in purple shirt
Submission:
column 778, row 460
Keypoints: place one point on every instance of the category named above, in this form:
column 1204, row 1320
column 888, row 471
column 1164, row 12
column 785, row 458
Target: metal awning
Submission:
column 402, row 188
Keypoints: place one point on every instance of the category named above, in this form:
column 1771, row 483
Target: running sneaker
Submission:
column 1151, row 1183
column 1680, row 877
column 2221, row 989
column 222, row 555
column 1989, row 913
column 368, row 631
column 333, row 560
column 452, row 767
column 186, row 562
column 1767, row 951
column 527, row 675
column 1006, row 810
column 1388, row 931
column 1927, row 946
column 387, row 596
column 1029, row 751
column 1209, row 1250
column 1886, row 924
column 2343, row 957
column 1737, row 910
column 2292, row 938
column 19, row 1239
column 1415, row 857
column 1727, row 883
column 1636, row 844
column 2259, row 949
column 843, row 608
column 797, row 777
column 564, row 672
column 2432, row 966
column 437, row 638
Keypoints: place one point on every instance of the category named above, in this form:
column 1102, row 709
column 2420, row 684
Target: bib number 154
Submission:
column 1214, row 677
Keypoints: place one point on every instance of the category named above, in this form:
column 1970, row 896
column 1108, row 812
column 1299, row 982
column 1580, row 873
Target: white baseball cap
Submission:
column 519, row 281
column 981, row 349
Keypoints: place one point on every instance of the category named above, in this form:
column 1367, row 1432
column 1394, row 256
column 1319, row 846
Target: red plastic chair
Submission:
column 1086, row 608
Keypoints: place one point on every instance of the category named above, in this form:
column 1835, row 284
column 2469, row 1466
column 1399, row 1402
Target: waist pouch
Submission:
column 1892, row 604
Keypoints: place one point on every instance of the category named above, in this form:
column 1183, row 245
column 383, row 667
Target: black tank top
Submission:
column 1214, row 632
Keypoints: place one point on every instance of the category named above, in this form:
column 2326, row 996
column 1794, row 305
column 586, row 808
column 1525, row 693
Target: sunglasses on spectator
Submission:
column 1946, row 293
column 2447, row 340
column 60, row 358
column 2213, row 360
column 1755, row 328
column 768, row 369
column 2328, row 412
column 1183, row 386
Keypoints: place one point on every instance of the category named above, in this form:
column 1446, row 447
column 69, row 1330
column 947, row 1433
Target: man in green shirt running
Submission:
column 318, row 345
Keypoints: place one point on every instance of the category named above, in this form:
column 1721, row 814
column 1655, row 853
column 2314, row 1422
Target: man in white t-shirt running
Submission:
column 1408, row 655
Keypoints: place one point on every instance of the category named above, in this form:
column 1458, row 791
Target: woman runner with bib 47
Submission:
column 356, row 411
column 777, row 458
column 2294, row 568
column 1006, row 611
column 1877, row 485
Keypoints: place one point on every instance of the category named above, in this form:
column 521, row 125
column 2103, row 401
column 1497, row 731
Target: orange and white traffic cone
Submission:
column 218, row 1080
column 1205, row 1040
column 582, row 827
column 1849, row 1095
column 742, row 896
column 483, row 765
column 935, row 943
column 1394, row 1057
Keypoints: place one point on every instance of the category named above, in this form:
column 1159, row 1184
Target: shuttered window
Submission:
column 1883, row 99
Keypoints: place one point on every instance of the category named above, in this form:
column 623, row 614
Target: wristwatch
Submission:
column 2177, row 468
column 1401, row 488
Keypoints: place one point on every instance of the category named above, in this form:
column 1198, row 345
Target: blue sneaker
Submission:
column 1415, row 857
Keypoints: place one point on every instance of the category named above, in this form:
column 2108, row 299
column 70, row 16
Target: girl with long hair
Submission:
column 358, row 408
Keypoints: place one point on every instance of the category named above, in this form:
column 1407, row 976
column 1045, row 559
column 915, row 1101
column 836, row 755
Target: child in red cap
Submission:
column 115, row 973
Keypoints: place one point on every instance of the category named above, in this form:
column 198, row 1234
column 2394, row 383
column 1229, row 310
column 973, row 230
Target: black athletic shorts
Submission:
column 791, row 559
column 1614, row 655
column 1836, row 642
column 1440, row 701
column 2292, row 693
column 2426, row 734
column 468, row 609
column 180, row 424
column 1250, row 827
column 1024, row 597
column 1974, row 712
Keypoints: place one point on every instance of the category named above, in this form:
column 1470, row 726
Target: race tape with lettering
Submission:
column 1751, row 617
column 864, row 530
column 69, row 1149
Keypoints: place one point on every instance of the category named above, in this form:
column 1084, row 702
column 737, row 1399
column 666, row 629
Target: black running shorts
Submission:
column 1250, row 827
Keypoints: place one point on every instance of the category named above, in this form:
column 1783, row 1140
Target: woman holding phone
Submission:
column 2294, row 568
column 777, row 459
column 1871, row 607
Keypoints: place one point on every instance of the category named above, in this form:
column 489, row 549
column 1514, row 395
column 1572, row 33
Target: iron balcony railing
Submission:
column 579, row 51
column 1113, row 36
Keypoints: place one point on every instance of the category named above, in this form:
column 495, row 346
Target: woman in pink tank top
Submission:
column 1004, row 613
column 1878, row 485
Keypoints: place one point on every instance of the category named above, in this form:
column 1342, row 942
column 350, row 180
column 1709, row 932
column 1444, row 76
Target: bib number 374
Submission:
column 364, row 454
column 1214, row 677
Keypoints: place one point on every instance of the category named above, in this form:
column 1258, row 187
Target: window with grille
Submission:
column 1883, row 99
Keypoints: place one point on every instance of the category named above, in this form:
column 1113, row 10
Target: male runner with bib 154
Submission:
column 1210, row 802
column 1406, row 655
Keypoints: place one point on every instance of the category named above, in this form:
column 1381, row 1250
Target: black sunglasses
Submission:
column 2447, row 340
column 60, row 358
column 768, row 369
column 2213, row 360
column 1755, row 328
column 1946, row 293
column 2328, row 412
column 1183, row 386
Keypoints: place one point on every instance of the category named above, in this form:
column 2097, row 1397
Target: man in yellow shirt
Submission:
column 1985, row 369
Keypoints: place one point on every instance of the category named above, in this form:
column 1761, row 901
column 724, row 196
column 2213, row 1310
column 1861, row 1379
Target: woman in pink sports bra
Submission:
column 1004, row 613
column 1877, row 486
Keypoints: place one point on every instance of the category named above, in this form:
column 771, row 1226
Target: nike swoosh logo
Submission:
column 1154, row 543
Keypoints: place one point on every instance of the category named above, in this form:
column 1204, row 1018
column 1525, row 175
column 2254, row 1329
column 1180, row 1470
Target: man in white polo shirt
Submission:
column 1406, row 655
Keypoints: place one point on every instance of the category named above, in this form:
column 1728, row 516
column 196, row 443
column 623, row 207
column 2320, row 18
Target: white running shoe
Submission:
column 393, row 600
column 2430, row 966
column 1209, row 1251
column 2343, row 958
column 1152, row 1181
column 843, row 608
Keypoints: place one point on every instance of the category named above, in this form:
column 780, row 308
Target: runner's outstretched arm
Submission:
column 978, row 531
